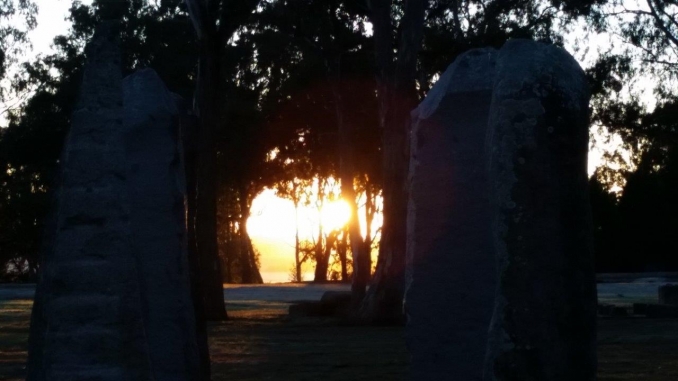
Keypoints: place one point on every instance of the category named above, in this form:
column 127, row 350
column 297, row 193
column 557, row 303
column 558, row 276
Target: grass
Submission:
column 263, row 344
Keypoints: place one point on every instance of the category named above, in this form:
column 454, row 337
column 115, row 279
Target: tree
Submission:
column 324, row 66
column 215, row 22
column 20, row 215
column 648, row 31
column 17, row 18
column 396, row 77
column 606, row 227
column 294, row 190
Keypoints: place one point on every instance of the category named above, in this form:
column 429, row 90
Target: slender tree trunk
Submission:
column 321, row 263
column 369, row 215
column 190, row 155
column 330, row 240
column 228, row 276
column 246, row 276
column 215, row 21
column 250, row 272
column 361, row 267
column 341, row 250
column 206, row 183
column 297, row 259
column 397, row 97
column 256, row 275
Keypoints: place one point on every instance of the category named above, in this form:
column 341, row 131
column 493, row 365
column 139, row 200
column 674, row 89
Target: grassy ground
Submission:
column 262, row 344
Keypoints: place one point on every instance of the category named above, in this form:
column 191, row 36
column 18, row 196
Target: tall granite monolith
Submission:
column 544, row 321
column 451, row 272
column 114, row 299
column 157, row 193
column 87, row 320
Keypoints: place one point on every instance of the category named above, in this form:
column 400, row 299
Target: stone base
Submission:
column 668, row 294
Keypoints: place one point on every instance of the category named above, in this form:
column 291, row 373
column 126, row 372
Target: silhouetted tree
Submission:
column 396, row 77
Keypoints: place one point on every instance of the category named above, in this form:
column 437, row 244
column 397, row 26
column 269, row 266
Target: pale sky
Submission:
column 51, row 23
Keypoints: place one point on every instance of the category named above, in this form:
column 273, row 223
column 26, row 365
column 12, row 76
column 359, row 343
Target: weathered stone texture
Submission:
column 450, row 263
column 113, row 301
column 87, row 321
column 543, row 327
column 157, row 189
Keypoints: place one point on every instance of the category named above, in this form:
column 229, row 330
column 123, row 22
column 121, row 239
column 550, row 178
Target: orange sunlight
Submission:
column 272, row 229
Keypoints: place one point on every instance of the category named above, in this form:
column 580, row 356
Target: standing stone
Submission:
column 451, row 272
column 157, row 192
column 87, row 317
column 544, row 321
column 113, row 301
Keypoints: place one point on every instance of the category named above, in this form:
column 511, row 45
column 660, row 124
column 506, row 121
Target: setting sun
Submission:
column 274, row 221
column 335, row 215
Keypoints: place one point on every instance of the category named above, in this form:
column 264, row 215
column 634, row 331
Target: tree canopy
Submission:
column 298, row 99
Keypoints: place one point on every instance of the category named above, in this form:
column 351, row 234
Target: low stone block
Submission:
column 661, row 311
column 668, row 294
column 311, row 309
column 640, row 308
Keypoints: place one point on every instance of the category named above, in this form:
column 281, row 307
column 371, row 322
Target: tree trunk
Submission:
column 206, row 184
column 361, row 259
column 297, row 259
column 256, row 275
column 188, row 128
column 215, row 22
column 397, row 96
column 330, row 240
column 369, row 216
column 250, row 273
column 341, row 250
column 321, row 262
column 361, row 267
column 228, row 272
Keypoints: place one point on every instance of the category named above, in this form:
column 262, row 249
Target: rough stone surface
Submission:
column 113, row 301
column 451, row 275
column 544, row 322
column 87, row 321
column 157, row 192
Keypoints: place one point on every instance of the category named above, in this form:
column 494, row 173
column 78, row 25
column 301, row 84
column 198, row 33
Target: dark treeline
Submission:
column 295, row 99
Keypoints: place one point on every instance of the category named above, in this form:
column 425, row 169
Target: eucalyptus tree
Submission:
column 215, row 23
column 320, row 97
column 17, row 233
column 17, row 18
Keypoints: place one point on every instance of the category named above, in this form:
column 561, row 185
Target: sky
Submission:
column 51, row 22
column 273, row 219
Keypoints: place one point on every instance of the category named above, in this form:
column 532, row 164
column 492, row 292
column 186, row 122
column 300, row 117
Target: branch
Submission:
column 380, row 16
column 196, row 11
column 660, row 23
column 410, row 44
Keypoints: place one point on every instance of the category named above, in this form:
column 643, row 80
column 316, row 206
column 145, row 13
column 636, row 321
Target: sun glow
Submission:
column 273, row 224
column 335, row 215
